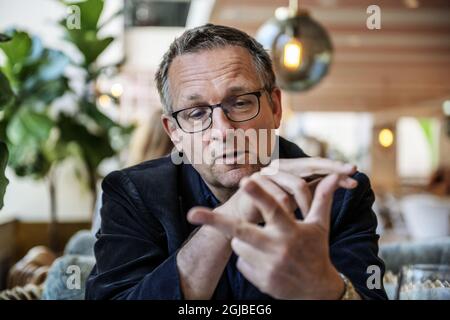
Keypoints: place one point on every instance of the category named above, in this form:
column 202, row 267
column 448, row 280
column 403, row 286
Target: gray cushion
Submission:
column 81, row 243
column 433, row 251
column 66, row 279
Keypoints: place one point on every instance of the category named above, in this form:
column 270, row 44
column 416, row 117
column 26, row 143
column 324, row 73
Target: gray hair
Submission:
column 207, row 37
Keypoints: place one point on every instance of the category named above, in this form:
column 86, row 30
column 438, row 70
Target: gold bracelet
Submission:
column 349, row 290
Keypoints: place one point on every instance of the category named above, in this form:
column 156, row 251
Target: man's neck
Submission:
column 222, row 194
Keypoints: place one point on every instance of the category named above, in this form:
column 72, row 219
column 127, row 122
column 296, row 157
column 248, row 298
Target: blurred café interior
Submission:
column 362, row 81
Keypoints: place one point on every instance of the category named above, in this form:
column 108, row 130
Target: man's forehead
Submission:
column 229, row 69
column 213, row 55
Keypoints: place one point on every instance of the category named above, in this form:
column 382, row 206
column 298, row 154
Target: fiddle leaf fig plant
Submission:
column 36, row 135
column 35, row 76
column 37, row 79
column 6, row 99
column 96, row 136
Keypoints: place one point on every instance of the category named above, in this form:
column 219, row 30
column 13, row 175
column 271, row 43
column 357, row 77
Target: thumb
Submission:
column 226, row 224
column 200, row 215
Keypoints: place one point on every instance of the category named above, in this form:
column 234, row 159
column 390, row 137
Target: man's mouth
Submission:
column 230, row 156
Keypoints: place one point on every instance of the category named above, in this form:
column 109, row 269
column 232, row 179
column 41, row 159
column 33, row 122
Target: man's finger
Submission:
column 283, row 196
column 348, row 183
column 231, row 227
column 253, row 275
column 296, row 186
column 304, row 167
column 267, row 205
column 256, row 254
column 321, row 205
column 345, row 182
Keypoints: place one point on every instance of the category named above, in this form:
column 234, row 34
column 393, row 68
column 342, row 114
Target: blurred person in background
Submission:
column 149, row 141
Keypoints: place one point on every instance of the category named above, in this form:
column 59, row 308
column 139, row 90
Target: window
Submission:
column 417, row 147
column 345, row 135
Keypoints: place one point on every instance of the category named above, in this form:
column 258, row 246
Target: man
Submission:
column 227, row 226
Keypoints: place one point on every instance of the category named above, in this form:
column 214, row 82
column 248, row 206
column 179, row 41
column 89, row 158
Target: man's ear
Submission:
column 275, row 97
column 172, row 131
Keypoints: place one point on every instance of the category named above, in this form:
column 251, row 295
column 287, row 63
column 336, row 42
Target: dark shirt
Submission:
column 144, row 225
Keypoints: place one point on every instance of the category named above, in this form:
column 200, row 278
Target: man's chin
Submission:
column 229, row 176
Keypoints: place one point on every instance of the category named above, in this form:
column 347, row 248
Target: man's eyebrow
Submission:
column 236, row 90
column 230, row 91
column 194, row 96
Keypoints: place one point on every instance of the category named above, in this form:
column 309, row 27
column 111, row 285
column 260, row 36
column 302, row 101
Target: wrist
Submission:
column 221, row 210
column 240, row 210
column 336, row 286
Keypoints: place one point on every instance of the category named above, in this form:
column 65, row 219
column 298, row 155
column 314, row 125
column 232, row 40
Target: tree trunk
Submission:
column 53, row 226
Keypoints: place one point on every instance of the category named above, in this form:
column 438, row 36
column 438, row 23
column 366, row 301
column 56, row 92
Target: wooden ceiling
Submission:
column 405, row 64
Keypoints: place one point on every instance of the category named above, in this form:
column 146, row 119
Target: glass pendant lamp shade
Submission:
column 300, row 48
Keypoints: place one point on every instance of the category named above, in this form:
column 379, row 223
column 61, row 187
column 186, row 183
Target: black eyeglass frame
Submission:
column 257, row 93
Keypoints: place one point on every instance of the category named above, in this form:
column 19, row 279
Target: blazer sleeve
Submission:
column 354, row 242
column 132, row 259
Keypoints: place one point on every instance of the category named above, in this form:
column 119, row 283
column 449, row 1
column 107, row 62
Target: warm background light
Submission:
column 386, row 138
column 292, row 57
column 116, row 90
column 104, row 100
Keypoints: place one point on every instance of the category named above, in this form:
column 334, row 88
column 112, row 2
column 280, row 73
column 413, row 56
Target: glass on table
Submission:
column 424, row 282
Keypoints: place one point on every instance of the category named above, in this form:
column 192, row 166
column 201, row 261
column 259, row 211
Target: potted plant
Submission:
column 38, row 137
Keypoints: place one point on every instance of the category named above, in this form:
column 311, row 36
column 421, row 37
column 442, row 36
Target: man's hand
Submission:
column 287, row 258
column 287, row 185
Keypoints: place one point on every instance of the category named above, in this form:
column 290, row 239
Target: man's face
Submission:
column 207, row 78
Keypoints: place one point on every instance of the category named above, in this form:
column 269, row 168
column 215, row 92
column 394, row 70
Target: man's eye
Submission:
column 197, row 114
column 242, row 104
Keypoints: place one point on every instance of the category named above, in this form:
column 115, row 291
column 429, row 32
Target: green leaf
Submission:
column 99, row 118
column 16, row 51
column 44, row 76
column 28, row 133
column 6, row 94
column 45, row 92
column 36, row 70
column 4, row 37
column 428, row 130
column 94, row 148
column 3, row 180
column 53, row 66
column 28, row 160
column 86, row 37
column 29, row 126
column 88, row 44
column 90, row 12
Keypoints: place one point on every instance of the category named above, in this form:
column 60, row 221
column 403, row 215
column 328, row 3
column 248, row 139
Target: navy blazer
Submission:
column 144, row 225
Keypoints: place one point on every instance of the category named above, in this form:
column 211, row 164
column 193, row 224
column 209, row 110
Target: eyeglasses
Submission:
column 240, row 108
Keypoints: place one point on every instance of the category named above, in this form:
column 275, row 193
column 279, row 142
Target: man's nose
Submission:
column 220, row 124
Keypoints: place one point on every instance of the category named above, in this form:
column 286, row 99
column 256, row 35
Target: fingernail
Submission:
column 250, row 188
column 191, row 216
column 350, row 167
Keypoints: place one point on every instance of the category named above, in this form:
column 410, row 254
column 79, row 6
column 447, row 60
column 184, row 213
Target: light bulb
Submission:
column 292, row 54
column 104, row 100
column 116, row 90
column 386, row 138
